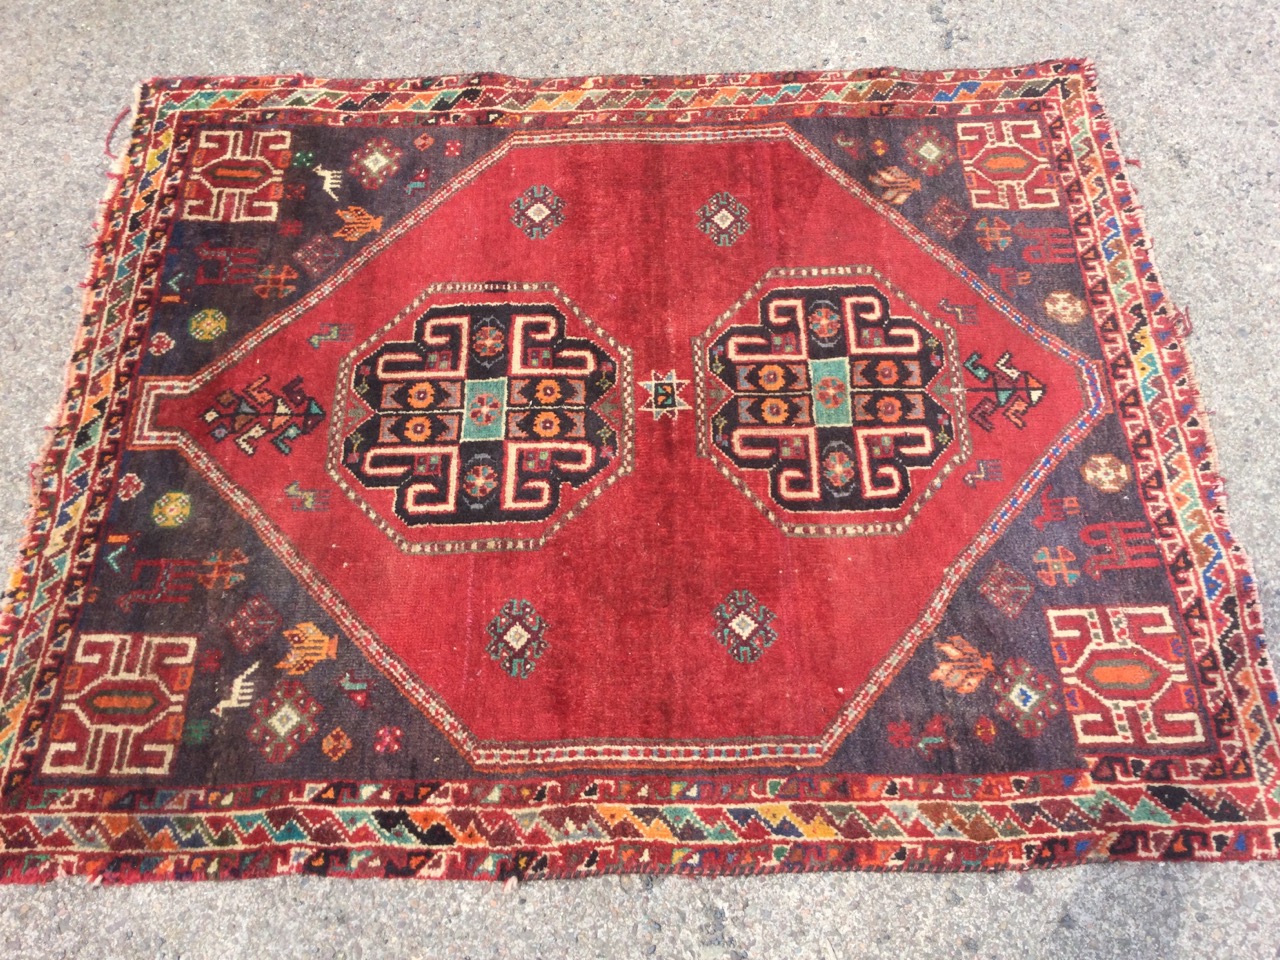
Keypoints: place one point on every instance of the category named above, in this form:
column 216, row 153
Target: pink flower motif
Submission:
column 161, row 344
column 130, row 486
column 388, row 740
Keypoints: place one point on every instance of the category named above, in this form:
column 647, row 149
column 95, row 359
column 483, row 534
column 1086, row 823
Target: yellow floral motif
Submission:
column 171, row 510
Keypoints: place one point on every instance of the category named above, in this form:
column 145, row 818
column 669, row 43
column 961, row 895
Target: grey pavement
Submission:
column 1193, row 90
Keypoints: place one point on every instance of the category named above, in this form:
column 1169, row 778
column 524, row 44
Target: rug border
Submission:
column 1167, row 324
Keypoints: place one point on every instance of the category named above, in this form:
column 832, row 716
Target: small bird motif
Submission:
column 308, row 645
column 356, row 222
column 242, row 688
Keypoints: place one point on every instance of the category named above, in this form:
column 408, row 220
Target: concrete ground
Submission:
column 1192, row 87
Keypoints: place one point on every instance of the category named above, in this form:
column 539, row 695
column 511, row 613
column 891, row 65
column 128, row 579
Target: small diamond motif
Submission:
column 517, row 638
column 724, row 219
column 375, row 162
column 929, row 150
column 537, row 212
column 743, row 626
column 283, row 721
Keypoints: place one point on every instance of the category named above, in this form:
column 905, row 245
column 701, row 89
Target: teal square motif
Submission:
column 829, row 381
column 485, row 415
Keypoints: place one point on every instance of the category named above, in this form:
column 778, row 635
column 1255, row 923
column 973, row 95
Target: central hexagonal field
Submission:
column 649, row 246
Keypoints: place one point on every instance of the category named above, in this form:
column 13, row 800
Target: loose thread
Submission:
column 1182, row 321
column 106, row 147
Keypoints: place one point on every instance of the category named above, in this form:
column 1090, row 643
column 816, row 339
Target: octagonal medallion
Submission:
column 481, row 418
column 841, row 390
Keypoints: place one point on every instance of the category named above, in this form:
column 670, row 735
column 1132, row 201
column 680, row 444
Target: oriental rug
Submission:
column 477, row 477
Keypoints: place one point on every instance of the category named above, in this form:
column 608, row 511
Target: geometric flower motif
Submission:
column 1105, row 472
column 723, row 218
column 336, row 744
column 161, row 344
column 389, row 740
column 993, row 233
column 171, row 510
column 207, row 325
column 276, row 282
column 375, row 162
column 130, row 486
column 1065, row 307
column 742, row 626
column 517, row 638
column 283, row 721
column 929, row 151
column 664, row 395
column 1025, row 697
column 1055, row 565
column 538, row 211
